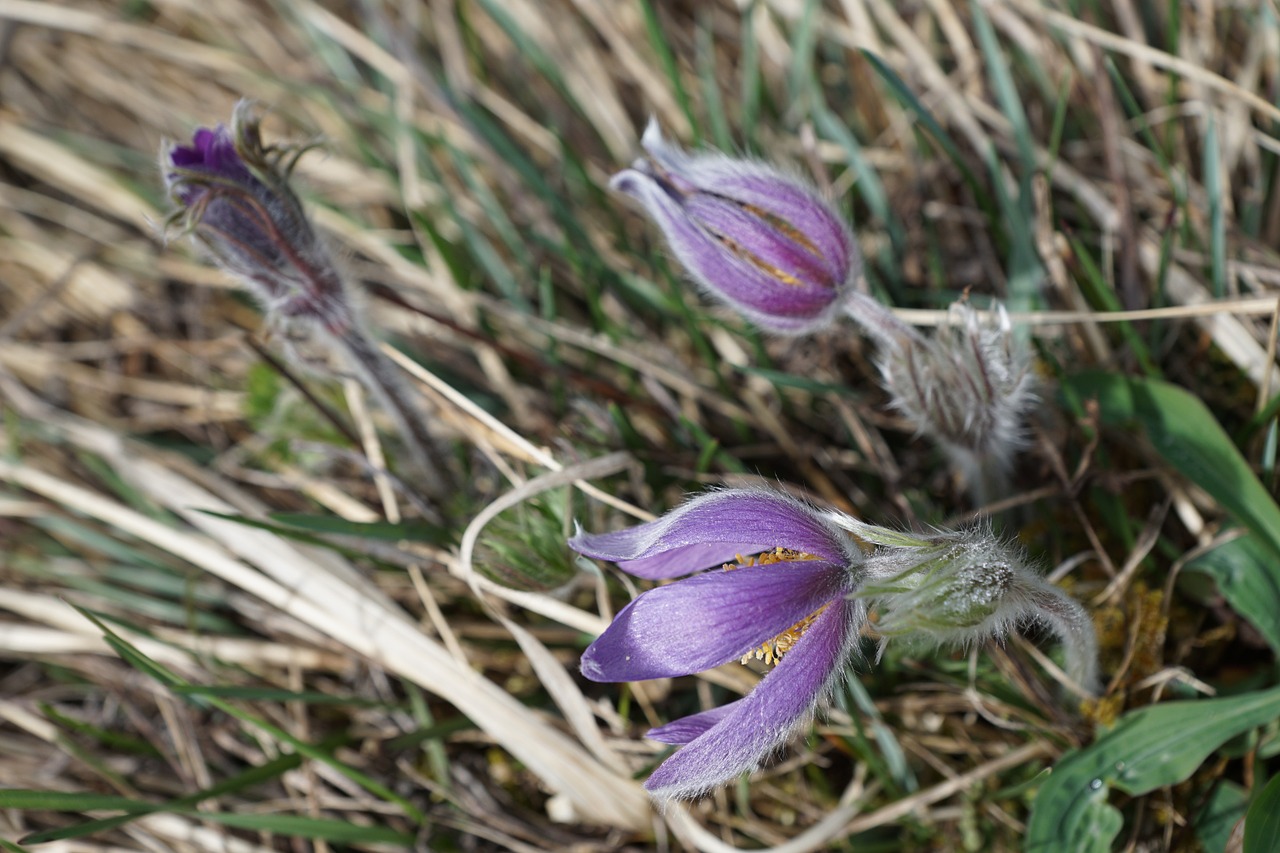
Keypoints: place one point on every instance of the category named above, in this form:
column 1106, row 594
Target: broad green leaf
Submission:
column 1148, row 749
column 1220, row 815
column 1186, row 434
column 1262, row 823
column 1246, row 573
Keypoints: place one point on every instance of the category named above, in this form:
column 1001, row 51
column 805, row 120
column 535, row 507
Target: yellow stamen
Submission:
column 771, row 651
column 781, row 275
column 783, row 226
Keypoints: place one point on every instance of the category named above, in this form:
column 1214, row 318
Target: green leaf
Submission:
column 1150, row 748
column 1225, row 808
column 1248, row 577
column 1262, row 823
column 1185, row 433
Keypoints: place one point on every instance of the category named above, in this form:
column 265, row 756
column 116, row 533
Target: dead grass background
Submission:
column 466, row 151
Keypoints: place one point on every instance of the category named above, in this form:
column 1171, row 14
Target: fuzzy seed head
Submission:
column 969, row 387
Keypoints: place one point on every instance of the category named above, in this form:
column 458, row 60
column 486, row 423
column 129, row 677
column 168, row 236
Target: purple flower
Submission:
column 233, row 194
column 764, row 242
column 791, row 603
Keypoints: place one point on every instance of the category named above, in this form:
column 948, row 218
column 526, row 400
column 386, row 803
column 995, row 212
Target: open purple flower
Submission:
column 792, row 603
column 233, row 194
column 764, row 242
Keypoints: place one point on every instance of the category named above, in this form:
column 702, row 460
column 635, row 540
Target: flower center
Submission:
column 771, row 651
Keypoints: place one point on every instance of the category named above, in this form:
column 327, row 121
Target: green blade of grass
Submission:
column 1217, row 221
column 27, row 799
column 149, row 667
column 1100, row 293
column 658, row 41
column 241, row 781
column 908, row 99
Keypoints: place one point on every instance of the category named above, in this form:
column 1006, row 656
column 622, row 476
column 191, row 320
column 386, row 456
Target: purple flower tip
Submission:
column 754, row 237
column 787, row 599
column 233, row 194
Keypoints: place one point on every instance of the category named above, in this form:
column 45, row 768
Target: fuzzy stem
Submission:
column 878, row 322
column 381, row 377
column 1067, row 618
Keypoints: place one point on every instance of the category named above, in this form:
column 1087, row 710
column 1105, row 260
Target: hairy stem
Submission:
column 428, row 455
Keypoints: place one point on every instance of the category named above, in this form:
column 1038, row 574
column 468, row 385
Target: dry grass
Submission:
column 396, row 684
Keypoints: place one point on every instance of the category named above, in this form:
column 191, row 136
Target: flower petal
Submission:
column 685, row 729
column 690, row 558
column 747, row 520
column 704, row 621
column 766, row 718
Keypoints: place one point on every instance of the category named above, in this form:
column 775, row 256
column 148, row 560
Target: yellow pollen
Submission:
column 781, row 275
column 783, row 226
column 771, row 651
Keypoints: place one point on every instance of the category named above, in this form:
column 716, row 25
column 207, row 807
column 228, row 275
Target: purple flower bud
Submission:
column 762, row 241
column 233, row 195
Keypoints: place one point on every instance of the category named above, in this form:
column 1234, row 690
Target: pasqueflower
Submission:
column 780, row 587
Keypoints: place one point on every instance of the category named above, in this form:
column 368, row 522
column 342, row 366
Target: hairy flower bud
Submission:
column 762, row 241
column 233, row 194
column 963, row 587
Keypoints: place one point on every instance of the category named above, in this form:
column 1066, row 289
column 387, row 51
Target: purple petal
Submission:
column 682, row 731
column 786, row 198
column 213, row 152
column 811, row 276
column 766, row 718
column 691, row 558
column 704, row 621
column 741, row 519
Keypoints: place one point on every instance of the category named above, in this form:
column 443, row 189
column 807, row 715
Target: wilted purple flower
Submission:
column 233, row 194
column 791, row 603
column 764, row 242
column 963, row 587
